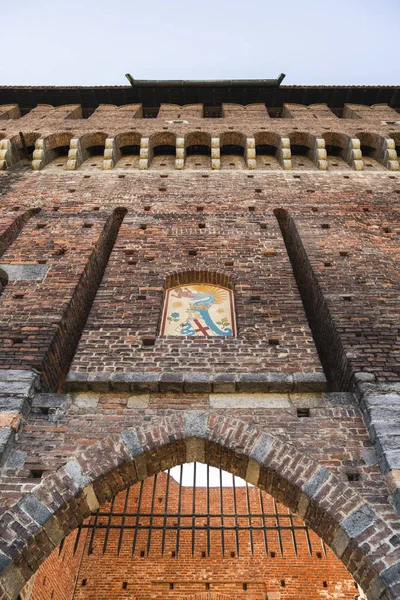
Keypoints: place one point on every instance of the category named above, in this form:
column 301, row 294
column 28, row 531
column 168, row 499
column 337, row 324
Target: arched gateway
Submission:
column 38, row 522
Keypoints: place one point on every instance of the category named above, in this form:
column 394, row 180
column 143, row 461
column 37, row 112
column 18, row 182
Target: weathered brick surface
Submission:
column 104, row 288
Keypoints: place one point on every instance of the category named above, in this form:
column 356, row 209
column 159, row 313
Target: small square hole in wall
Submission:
column 245, row 587
column 87, row 225
column 319, row 554
column 141, row 297
column 72, row 190
column 207, row 586
column 366, row 209
column 310, row 191
column 202, row 225
column 149, row 341
column 121, row 176
column 17, row 339
column 283, row 583
column 36, row 473
column 343, row 253
column 124, row 585
column 41, row 261
column 232, row 555
column 132, row 262
column 387, row 229
column 56, row 208
column 273, row 341
column 229, row 263
column 314, row 209
column 171, row 586
column 263, row 225
column 303, row 413
column 258, row 190
column 325, row 584
column 231, row 164
column 203, row 554
column 83, row 582
column 147, row 208
column 163, row 164
column 143, row 226
column 250, row 176
column 142, row 553
column 353, row 476
column 40, row 225
column 327, row 264
column 18, row 296
column 346, row 176
column 252, row 208
column 205, row 176
column 86, row 176
column 16, row 207
column 173, row 554
column 192, row 252
column 296, row 176
column 325, row 226
column 96, row 207
column 347, row 298
column 162, row 189
column 164, row 176
column 369, row 191
column 199, row 208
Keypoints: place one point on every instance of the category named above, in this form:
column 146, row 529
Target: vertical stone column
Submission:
column 144, row 154
column 75, row 155
column 251, row 153
column 284, row 154
column 5, row 154
column 215, row 153
column 110, row 154
column 389, row 158
column 180, row 153
column 319, row 154
column 38, row 161
column 353, row 155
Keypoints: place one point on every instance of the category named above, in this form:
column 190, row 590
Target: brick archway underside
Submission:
column 37, row 523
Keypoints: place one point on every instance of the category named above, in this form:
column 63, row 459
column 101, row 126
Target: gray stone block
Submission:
column 4, row 561
column 390, row 460
column 312, row 486
column 144, row 382
column 16, row 375
column 131, row 441
column 224, row 383
column 279, row 382
column 197, row 383
column 14, row 403
column 171, row 382
column 5, row 433
column 252, row 382
column 262, row 447
column 309, row 382
column 391, row 574
column 17, row 388
column 16, row 460
column 49, row 400
column 359, row 520
column 73, row 468
column 195, row 423
column 32, row 272
column 35, row 508
column 253, row 400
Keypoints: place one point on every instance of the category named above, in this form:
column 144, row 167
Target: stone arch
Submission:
column 198, row 150
column 372, row 148
column 55, row 150
column 338, row 149
column 19, row 148
column 38, row 522
column 233, row 150
column 127, row 150
column 198, row 276
column 303, row 150
column 162, row 150
column 92, row 146
column 267, row 144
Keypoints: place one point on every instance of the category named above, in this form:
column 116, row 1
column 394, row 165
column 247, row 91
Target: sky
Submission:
column 95, row 42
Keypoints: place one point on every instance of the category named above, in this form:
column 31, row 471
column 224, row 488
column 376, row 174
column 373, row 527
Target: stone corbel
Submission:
column 319, row 155
column 180, row 153
column 390, row 158
column 110, row 154
column 144, row 154
column 75, row 155
column 38, row 161
column 284, row 154
column 215, row 154
column 353, row 155
column 5, row 154
column 251, row 153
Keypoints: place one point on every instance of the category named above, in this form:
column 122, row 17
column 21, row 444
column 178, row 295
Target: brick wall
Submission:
column 309, row 570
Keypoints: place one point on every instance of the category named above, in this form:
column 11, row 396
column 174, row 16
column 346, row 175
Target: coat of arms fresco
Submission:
column 199, row 309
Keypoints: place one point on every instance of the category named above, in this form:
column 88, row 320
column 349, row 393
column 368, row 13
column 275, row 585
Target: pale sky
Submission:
column 95, row 42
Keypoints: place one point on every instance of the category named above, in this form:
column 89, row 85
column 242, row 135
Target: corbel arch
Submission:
column 162, row 150
column 198, row 150
column 233, row 150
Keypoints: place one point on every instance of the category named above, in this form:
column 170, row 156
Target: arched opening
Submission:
column 3, row 280
column 337, row 146
column 198, row 151
column 128, row 151
column 93, row 146
column 232, row 151
column 23, row 147
column 163, row 151
column 194, row 529
column 301, row 147
column 267, row 150
column 396, row 138
column 371, row 150
column 56, row 151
